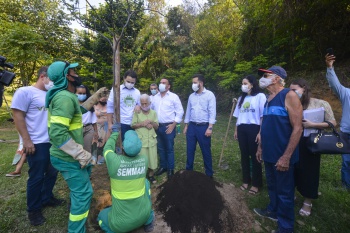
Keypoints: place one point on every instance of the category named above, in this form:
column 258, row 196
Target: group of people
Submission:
column 56, row 119
column 49, row 117
column 270, row 129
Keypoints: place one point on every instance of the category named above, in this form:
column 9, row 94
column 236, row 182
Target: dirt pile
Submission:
column 191, row 202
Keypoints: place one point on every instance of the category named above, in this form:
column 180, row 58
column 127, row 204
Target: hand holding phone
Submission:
column 329, row 51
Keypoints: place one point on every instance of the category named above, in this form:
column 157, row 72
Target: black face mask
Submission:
column 103, row 103
column 77, row 81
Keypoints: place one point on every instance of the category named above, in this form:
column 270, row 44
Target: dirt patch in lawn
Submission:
column 189, row 202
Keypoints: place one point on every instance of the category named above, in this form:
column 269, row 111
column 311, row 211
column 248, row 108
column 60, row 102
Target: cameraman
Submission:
column 1, row 93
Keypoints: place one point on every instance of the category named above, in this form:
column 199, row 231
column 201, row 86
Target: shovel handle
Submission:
column 234, row 102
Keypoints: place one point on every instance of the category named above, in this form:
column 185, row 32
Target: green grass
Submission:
column 329, row 214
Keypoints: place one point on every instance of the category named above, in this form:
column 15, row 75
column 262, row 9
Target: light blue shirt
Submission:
column 201, row 107
column 343, row 94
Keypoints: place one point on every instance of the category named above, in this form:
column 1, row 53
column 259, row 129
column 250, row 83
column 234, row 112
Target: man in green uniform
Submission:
column 66, row 137
column 131, row 201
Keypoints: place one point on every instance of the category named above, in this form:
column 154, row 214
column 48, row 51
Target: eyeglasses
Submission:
column 266, row 75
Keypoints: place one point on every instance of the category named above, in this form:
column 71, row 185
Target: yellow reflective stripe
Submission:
column 60, row 120
column 49, row 117
column 75, row 126
column 76, row 122
column 137, row 188
column 78, row 217
column 100, row 222
column 107, row 151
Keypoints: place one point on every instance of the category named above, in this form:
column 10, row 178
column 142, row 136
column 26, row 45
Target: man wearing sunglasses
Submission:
column 280, row 132
column 66, row 136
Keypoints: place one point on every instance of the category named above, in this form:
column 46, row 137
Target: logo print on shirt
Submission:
column 42, row 108
column 246, row 105
column 129, row 101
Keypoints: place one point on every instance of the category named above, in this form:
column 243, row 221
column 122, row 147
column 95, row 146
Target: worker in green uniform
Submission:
column 131, row 201
column 66, row 136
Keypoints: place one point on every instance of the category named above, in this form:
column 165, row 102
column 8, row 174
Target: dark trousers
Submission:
column 42, row 177
column 165, row 146
column 196, row 133
column 281, row 193
column 345, row 169
column 125, row 128
column 246, row 139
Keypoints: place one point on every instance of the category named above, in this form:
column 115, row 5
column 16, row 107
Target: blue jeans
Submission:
column 345, row 169
column 194, row 134
column 165, row 147
column 125, row 128
column 42, row 177
column 281, row 193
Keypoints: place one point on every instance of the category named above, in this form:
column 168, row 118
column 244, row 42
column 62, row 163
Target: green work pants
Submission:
column 78, row 181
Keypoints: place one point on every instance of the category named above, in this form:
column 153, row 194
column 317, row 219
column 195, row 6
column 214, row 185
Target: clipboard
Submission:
column 315, row 115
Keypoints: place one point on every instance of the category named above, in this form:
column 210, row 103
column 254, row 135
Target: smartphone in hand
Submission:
column 329, row 51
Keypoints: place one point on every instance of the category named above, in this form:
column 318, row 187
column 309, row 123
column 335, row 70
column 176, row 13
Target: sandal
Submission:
column 303, row 212
column 152, row 180
column 243, row 188
column 253, row 192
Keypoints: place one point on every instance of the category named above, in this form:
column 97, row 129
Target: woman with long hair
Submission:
column 89, row 119
column 307, row 170
column 249, row 113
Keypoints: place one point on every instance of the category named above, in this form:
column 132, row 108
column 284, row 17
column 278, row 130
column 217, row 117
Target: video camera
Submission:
column 6, row 77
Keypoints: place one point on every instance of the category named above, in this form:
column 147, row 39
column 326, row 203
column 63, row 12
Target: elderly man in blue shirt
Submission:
column 199, row 121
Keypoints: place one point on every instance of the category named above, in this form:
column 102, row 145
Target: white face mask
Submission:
column 129, row 85
column 245, row 88
column 161, row 87
column 299, row 95
column 49, row 85
column 195, row 87
column 264, row 82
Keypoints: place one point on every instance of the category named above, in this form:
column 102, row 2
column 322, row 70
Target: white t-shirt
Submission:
column 31, row 100
column 251, row 109
column 129, row 98
column 89, row 118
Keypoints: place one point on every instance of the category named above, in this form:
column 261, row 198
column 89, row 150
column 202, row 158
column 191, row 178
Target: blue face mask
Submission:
column 154, row 92
column 81, row 97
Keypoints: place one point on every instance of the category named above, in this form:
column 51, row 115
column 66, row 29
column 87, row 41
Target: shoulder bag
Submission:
column 332, row 142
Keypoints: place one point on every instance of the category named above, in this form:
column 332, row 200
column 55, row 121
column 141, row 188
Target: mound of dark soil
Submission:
column 190, row 202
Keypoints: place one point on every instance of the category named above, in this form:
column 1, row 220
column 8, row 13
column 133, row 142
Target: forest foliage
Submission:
column 222, row 39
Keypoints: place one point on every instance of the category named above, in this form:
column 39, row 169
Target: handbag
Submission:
column 333, row 142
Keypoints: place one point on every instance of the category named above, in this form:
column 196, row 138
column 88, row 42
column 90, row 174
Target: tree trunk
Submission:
column 116, row 87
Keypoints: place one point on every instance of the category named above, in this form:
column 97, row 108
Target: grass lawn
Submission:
column 330, row 213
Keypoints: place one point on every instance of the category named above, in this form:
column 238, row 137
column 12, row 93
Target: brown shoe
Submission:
column 13, row 174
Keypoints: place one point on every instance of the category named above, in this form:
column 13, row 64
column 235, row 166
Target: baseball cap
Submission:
column 132, row 144
column 274, row 70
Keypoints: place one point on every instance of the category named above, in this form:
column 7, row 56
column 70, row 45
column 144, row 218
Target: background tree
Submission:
column 32, row 33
